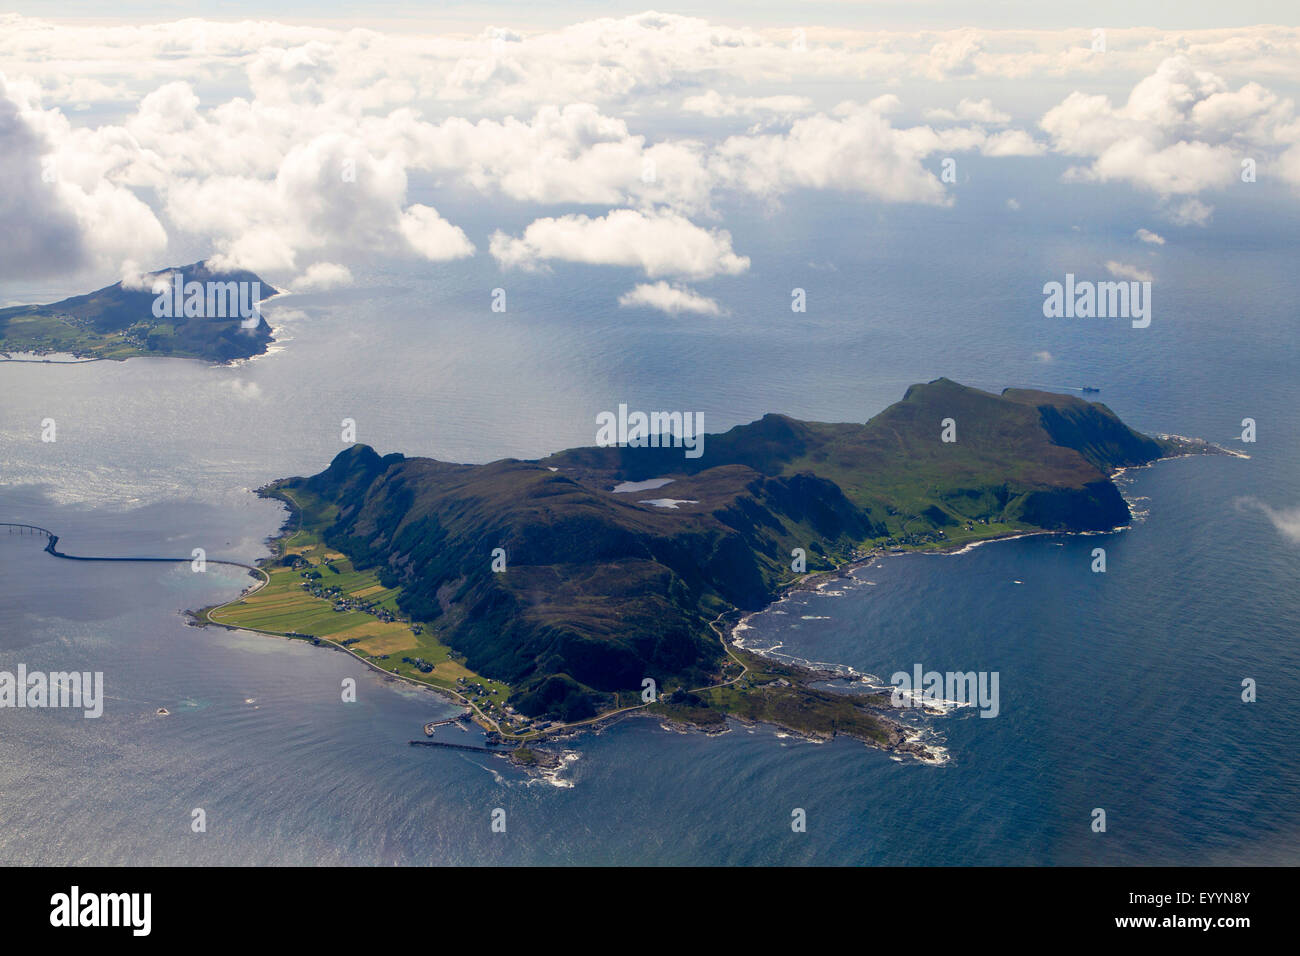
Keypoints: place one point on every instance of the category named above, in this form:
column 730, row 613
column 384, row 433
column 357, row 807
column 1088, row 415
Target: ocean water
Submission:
column 1119, row 691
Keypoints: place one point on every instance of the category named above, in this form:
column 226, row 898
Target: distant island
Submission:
column 543, row 594
column 184, row 312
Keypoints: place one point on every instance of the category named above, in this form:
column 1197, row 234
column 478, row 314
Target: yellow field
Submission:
column 376, row 644
column 285, row 606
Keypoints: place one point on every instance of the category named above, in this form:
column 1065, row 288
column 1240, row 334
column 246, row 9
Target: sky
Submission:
column 874, row 14
column 314, row 141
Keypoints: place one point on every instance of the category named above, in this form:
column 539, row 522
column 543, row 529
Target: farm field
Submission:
column 324, row 597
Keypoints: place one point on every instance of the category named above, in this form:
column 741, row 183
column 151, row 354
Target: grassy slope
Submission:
column 286, row 608
column 602, row 590
column 118, row 323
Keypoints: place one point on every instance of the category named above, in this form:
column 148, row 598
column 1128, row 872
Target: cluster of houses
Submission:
column 311, row 576
column 475, row 689
column 929, row 537
column 914, row 538
column 136, row 335
column 419, row 663
column 481, row 696
column 343, row 602
column 505, row 714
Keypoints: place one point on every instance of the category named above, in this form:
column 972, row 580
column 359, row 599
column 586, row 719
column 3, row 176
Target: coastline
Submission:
column 902, row 739
column 202, row 617
column 77, row 359
column 817, row 580
column 897, row 738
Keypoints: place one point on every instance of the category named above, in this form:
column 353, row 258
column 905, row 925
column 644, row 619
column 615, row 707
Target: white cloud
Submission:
column 603, row 60
column 982, row 111
column 1189, row 212
column 977, row 111
column 566, row 116
column 247, row 391
column 1012, row 142
column 569, row 154
column 1121, row 270
column 50, row 224
column 330, row 197
column 115, row 224
column 958, row 54
column 36, row 228
column 657, row 243
column 321, row 276
column 1043, row 356
column 673, row 299
column 576, row 154
column 1285, row 520
column 858, row 151
column 432, row 236
column 1182, row 131
column 1146, row 235
column 717, row 105
column 136, row 280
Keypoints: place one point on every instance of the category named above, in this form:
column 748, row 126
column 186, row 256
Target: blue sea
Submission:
column 1119, row 691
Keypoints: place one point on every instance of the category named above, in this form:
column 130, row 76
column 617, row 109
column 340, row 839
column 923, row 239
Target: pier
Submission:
column 499, row 751
column 429, row 728
column 51, row 546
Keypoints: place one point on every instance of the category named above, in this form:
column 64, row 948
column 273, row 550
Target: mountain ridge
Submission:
column 602, row 589
column 118, row 322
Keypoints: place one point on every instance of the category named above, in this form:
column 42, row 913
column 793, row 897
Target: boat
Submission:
column 1089, row 388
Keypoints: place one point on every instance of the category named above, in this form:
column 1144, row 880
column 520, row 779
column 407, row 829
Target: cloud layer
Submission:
column 645, row 126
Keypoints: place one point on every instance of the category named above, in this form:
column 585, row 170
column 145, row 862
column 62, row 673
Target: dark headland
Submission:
column 119, row 321
column 603, row 589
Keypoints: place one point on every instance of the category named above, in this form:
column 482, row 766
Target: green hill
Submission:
column 118, row 322
column 603, row 589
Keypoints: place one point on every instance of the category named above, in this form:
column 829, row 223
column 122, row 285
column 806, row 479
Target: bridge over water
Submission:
column 25, row 528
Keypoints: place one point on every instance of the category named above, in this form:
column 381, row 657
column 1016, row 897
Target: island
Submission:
column 546, row 595
column 189, row 311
